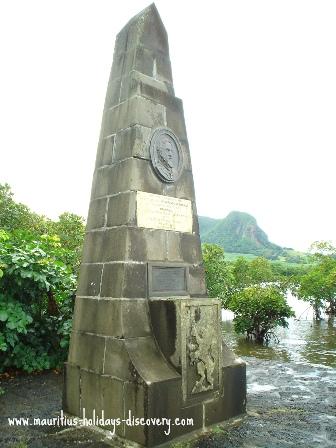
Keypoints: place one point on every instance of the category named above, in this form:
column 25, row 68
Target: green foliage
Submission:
column 36, row 300
column 251, row 289
column 258, row 270
column 318, row 285
column 259, row 310
column 219, row 278
column 70, row 229
column 17, row 216
column 39, row 261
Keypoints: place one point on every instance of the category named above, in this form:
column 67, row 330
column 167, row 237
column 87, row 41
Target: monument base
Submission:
column 178, row 379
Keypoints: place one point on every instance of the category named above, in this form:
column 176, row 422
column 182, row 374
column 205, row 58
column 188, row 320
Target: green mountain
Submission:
column 238, row 233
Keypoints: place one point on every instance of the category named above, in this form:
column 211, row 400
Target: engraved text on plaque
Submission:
column 155, row 211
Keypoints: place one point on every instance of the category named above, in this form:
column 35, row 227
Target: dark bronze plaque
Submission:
column 167, row 280
column 166, row 155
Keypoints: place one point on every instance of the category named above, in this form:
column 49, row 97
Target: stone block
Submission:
column 122, row 209
column 149, row 364
column 122, row 63
column 103, row 317
column 130, row 174
column 136, row 110
column 146, row 244
column 132, row 142
column 97, row 214
column 109, row 318
column 156, row 89
column 114, row 244
column 124, row 280
column 195, row 228
column 164, row 400
column 113, row 93
column 89, row 279
column 105, row 149
column 174, row 252
column 233, row 403
column 91, row 398
column 93, row 247
column 113, row 401
column 175, row 119
column 87, row 351
column 152, row 33
column 135, row 318
column 135, row 405
column 117, row 360
column 144, row 61
column 71, row 389
column 85, row 314
column 165, row 318
column 191, row 248
column 185, row 186
column 196, row 284
column 119, row 318
column 130, row 244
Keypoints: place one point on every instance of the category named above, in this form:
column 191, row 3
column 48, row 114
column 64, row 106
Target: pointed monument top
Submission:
column 144, row 29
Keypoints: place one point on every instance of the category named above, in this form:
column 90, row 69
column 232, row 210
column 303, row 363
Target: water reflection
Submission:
column 303, row 341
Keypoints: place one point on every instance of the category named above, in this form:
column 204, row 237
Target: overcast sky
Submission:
column 258, row 83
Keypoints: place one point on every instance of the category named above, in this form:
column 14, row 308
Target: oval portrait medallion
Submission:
column 166, row 155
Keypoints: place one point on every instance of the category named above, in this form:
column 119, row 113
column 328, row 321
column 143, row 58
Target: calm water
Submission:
column 305, row 340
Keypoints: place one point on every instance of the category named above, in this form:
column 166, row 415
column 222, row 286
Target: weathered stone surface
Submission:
column 165, row 318
column 197, row 286
column 121, row 210
column 191, row 248
column 234, row 402
column 90, row 278
column 132, row 142
column 97, row 214
column 105, row 150
column 130, row 174
column 145, row 336
column 112, row 391
column 135, row 110
column 71, row 389
column 117, row 360
column 119, row 318
column 135, row 318
column 124, row 280
column 93, row 247
column 135, row 405
column 87, row 351
column 143, row 353
column 101, row 316
column 91, row 402
column 184, row 247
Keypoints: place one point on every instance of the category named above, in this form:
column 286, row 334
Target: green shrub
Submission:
column 36, row 301
column 259, row 310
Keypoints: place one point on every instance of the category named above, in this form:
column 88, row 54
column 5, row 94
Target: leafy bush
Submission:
column 218, row 273
column 259, row 310
column 251, row 289
column 36, row 301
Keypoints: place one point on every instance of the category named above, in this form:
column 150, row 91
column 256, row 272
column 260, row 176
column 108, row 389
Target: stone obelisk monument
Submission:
column 146, row 339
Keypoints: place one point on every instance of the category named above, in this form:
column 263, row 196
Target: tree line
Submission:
column 39, row 263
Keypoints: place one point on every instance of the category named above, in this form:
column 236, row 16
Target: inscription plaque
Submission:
column 166, row 155
column 155, row 211
column 167, row 280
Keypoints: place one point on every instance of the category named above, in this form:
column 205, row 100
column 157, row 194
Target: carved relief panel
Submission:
column 202, row 349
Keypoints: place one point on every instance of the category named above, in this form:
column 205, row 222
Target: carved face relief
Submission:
column 166, row 155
